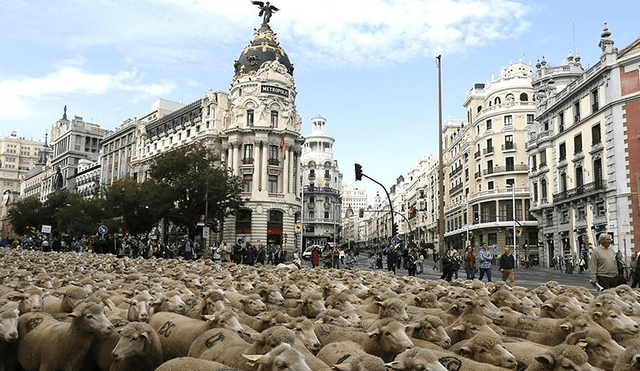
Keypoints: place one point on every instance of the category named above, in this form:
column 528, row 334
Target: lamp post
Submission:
column 513, row 200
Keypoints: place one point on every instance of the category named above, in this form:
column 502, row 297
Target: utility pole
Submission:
column 359, row 175
column 440, row 166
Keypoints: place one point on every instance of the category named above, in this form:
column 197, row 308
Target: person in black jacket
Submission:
column 507, row 263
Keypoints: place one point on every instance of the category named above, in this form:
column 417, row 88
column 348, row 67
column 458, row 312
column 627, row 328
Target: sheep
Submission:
column 560, row 306
column 468, row 326
column 193, row 364
column 29, row 299
column 282, row 358
column 227, row 347
column 548, row 331
column 139, row 306
column 416, row 359
column 335, row 353
column 385, row 338
column 139, row 348
column 561, row 358
column 47, row 344
column 391, row 308
column 169, row 302
column 630, row 359
column 485, row 348
column 430, row 328
column 599, row 346
column 613, row 320
column 70, row 299
column 309, row 305
column 524, row 351
column 212, row 301
column 178, row 331
column 8, row 337
column 303, row 328
column 363, row 362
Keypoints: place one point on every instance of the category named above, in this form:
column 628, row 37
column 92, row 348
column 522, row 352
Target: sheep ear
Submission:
column 209, row 317
column 259, row 338
column 458, row 328
column 396, row 365
column 545, row 359
column 255, row 358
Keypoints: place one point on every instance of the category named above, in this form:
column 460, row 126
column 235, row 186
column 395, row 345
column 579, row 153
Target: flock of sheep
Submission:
column 81, row 311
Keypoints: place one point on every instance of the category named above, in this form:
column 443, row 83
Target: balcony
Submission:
column 247, row 161
column 487, row 151
column 274, row 161
column 455, row 171
column 505, row 169
column 476, row 155
column 584, row 189
column 510, row 146
column 456, row 188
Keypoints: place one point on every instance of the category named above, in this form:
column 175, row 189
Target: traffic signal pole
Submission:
column 359, row 175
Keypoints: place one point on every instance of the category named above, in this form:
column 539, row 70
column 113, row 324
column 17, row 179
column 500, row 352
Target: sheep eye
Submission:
column 89, row 316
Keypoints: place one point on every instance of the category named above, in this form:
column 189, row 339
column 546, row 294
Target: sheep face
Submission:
column 416, row 360
column 431, row 329
column 388, row 338
column 304, row 332
column 281, row 358
column 9, row 325
column 225, row 319
column 139, row 307
column 32, row 301
column 133, row 342
column 487, row 349
column 614, row 321
column 90, row 317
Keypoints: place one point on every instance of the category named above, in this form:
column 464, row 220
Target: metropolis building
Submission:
column 256, row 130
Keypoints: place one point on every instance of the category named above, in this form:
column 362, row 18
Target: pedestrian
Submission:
column 582, row 264
column 435, row 261
column 342, row 256
column 484, row 257
column 391, row 259
column 604, row 269
column 420, row 263
column 447, row 266
column 622, row 269
column 470, row 263
column 188, row 248
column 507, row 263
column 335, row 262
column 315, row 256
column 455, row 263
column 635, row 270
column 261, row 254
column 411, row 263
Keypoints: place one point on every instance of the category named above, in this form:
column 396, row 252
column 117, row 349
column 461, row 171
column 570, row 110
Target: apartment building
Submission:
column 583, row 151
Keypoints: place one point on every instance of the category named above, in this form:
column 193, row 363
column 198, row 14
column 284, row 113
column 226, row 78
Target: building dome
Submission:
column 263, row 48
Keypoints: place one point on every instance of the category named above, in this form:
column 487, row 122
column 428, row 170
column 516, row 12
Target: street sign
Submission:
column 46, row 229
column 205, row 233
column 297, row 227
column 103, row 229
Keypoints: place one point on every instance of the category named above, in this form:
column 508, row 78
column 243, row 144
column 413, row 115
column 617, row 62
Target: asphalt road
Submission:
column 528, row 277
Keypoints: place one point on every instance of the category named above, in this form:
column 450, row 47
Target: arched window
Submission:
column 497, row 100
column 524, row 97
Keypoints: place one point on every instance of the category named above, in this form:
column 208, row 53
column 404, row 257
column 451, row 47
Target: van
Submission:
column 306, row 255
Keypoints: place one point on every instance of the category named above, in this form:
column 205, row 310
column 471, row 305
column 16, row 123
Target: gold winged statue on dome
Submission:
column 266, row 11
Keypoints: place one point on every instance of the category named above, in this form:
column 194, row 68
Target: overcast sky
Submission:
column 368, row 67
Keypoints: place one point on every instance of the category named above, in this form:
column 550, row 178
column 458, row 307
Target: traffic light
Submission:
column 361, row 213
column 358, row 172
column 394, row 230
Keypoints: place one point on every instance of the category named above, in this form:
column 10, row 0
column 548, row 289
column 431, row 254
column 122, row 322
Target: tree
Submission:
column 193, row 182
column 133, row 207
column 26, row 213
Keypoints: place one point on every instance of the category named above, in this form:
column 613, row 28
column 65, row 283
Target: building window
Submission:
column 543, row 190
column 595, row 103
column 563, row 182
column 490, row 185
column 273, row 155
column 248, row 154
column 534, row 165
column 508, row 120
column 595, row 134
column 543, row 158
column 577, row 144
column 250, row 117
column 530, row 119
column 524, row 97
column 274, row 119
column 490, row 167
column 561, row 122
column 535, row 192
column 497, row 100
column 576, row 112
column 579, row 177
column 489, row 146
column 562, row 151
column 247, row 180
column 509, row 162
column 273, row 184
column 489, row 125
column 546, row 125
column 508, row 142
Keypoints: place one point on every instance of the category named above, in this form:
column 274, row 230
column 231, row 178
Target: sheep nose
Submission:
column 12, row 336
column 446, row 343
column 143, row 317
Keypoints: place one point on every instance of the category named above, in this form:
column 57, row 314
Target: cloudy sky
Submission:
column 368, row 66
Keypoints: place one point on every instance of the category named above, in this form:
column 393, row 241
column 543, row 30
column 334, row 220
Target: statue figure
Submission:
column 266, row 11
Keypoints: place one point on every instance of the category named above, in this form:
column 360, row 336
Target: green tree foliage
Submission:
column 133, row 207
column 26, row 213
column 190, row 179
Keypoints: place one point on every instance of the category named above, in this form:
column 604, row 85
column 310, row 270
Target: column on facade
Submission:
column 236, row 159
column 264, row 177
column 286, row 171
column 257, row 161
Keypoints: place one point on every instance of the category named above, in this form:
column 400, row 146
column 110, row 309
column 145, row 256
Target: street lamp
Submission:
column 513, row 200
